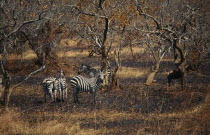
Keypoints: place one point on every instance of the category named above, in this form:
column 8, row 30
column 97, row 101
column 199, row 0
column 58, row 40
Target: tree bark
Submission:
column 181, row 64
column 1, row 90
column 103, row 48
column 6, row 82
column 6, row 91
column 104, row 51
column 152, row 74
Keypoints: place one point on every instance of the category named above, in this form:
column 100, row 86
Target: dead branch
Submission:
column 32, row 73
column 26, row 22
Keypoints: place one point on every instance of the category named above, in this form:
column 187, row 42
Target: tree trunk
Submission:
column 104, row 51
column 182, row 70
column 6, row 92
column 115, row 79
column 132, row 53
column 104, row 65
column 6, row 82
column 1, row 90
column 152, row 74
column 181, row 64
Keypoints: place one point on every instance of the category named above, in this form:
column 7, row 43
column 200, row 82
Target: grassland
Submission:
column 133, row 109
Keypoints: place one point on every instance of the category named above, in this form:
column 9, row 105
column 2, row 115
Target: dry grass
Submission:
column 130, row 72
column 59, row 123
column 11, row 123
column 27, row 55
column 67, row 42
column 65, row 124
column 73, row 53
column 97, row 122
column 85, row 52
column 113, row 115
column 127, row 50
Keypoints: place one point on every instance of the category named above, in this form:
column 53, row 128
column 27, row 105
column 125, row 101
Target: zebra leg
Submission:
column 45, row 97
column 55, row 95
column 75, row 94
column 94, row 94
column 62, row 95
column 66, row 93
column 51, row 95
column 77, row 98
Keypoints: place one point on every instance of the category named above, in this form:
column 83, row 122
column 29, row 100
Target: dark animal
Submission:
column 175, row 74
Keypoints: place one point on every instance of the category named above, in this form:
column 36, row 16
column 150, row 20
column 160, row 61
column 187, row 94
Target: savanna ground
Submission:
column 132, row 109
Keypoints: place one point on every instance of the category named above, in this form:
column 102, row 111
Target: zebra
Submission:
column 53, row 85
column 61, row 85
column 83, row 84
column 91, row 72
column 48, row 85
column 61, row 75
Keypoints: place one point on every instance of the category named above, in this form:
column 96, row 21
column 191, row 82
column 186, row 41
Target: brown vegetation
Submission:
column 137, row 40
column 131, row 110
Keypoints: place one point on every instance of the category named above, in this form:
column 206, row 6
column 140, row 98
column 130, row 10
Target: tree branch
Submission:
column 140, row 11
column 32, row 73
column 90, row 14
column 24, row 23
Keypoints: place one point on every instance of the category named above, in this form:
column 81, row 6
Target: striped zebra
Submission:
column 91, row 72
column 52, row 85
column 83, row 84
column 49, row 88
column 61, row 75
column 62, row 86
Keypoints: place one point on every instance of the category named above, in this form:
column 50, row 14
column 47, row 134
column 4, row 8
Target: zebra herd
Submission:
column 52, row 85
column 78, row 83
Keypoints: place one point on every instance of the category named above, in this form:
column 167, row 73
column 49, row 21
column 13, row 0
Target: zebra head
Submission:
column 83, row 68
column 62, row 75
column 100, row 75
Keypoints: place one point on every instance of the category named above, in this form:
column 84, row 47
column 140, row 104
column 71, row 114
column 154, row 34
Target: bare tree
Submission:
column 93, row 26
column 100, row 23
column 26, row 23
column 168, row 24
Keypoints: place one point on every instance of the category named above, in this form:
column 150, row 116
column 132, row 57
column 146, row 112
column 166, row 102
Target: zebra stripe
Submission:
column 82, row 84
column 48, row 85
column 52, row 85
column 62, row 88
column 61, row 85
column 91, row 72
